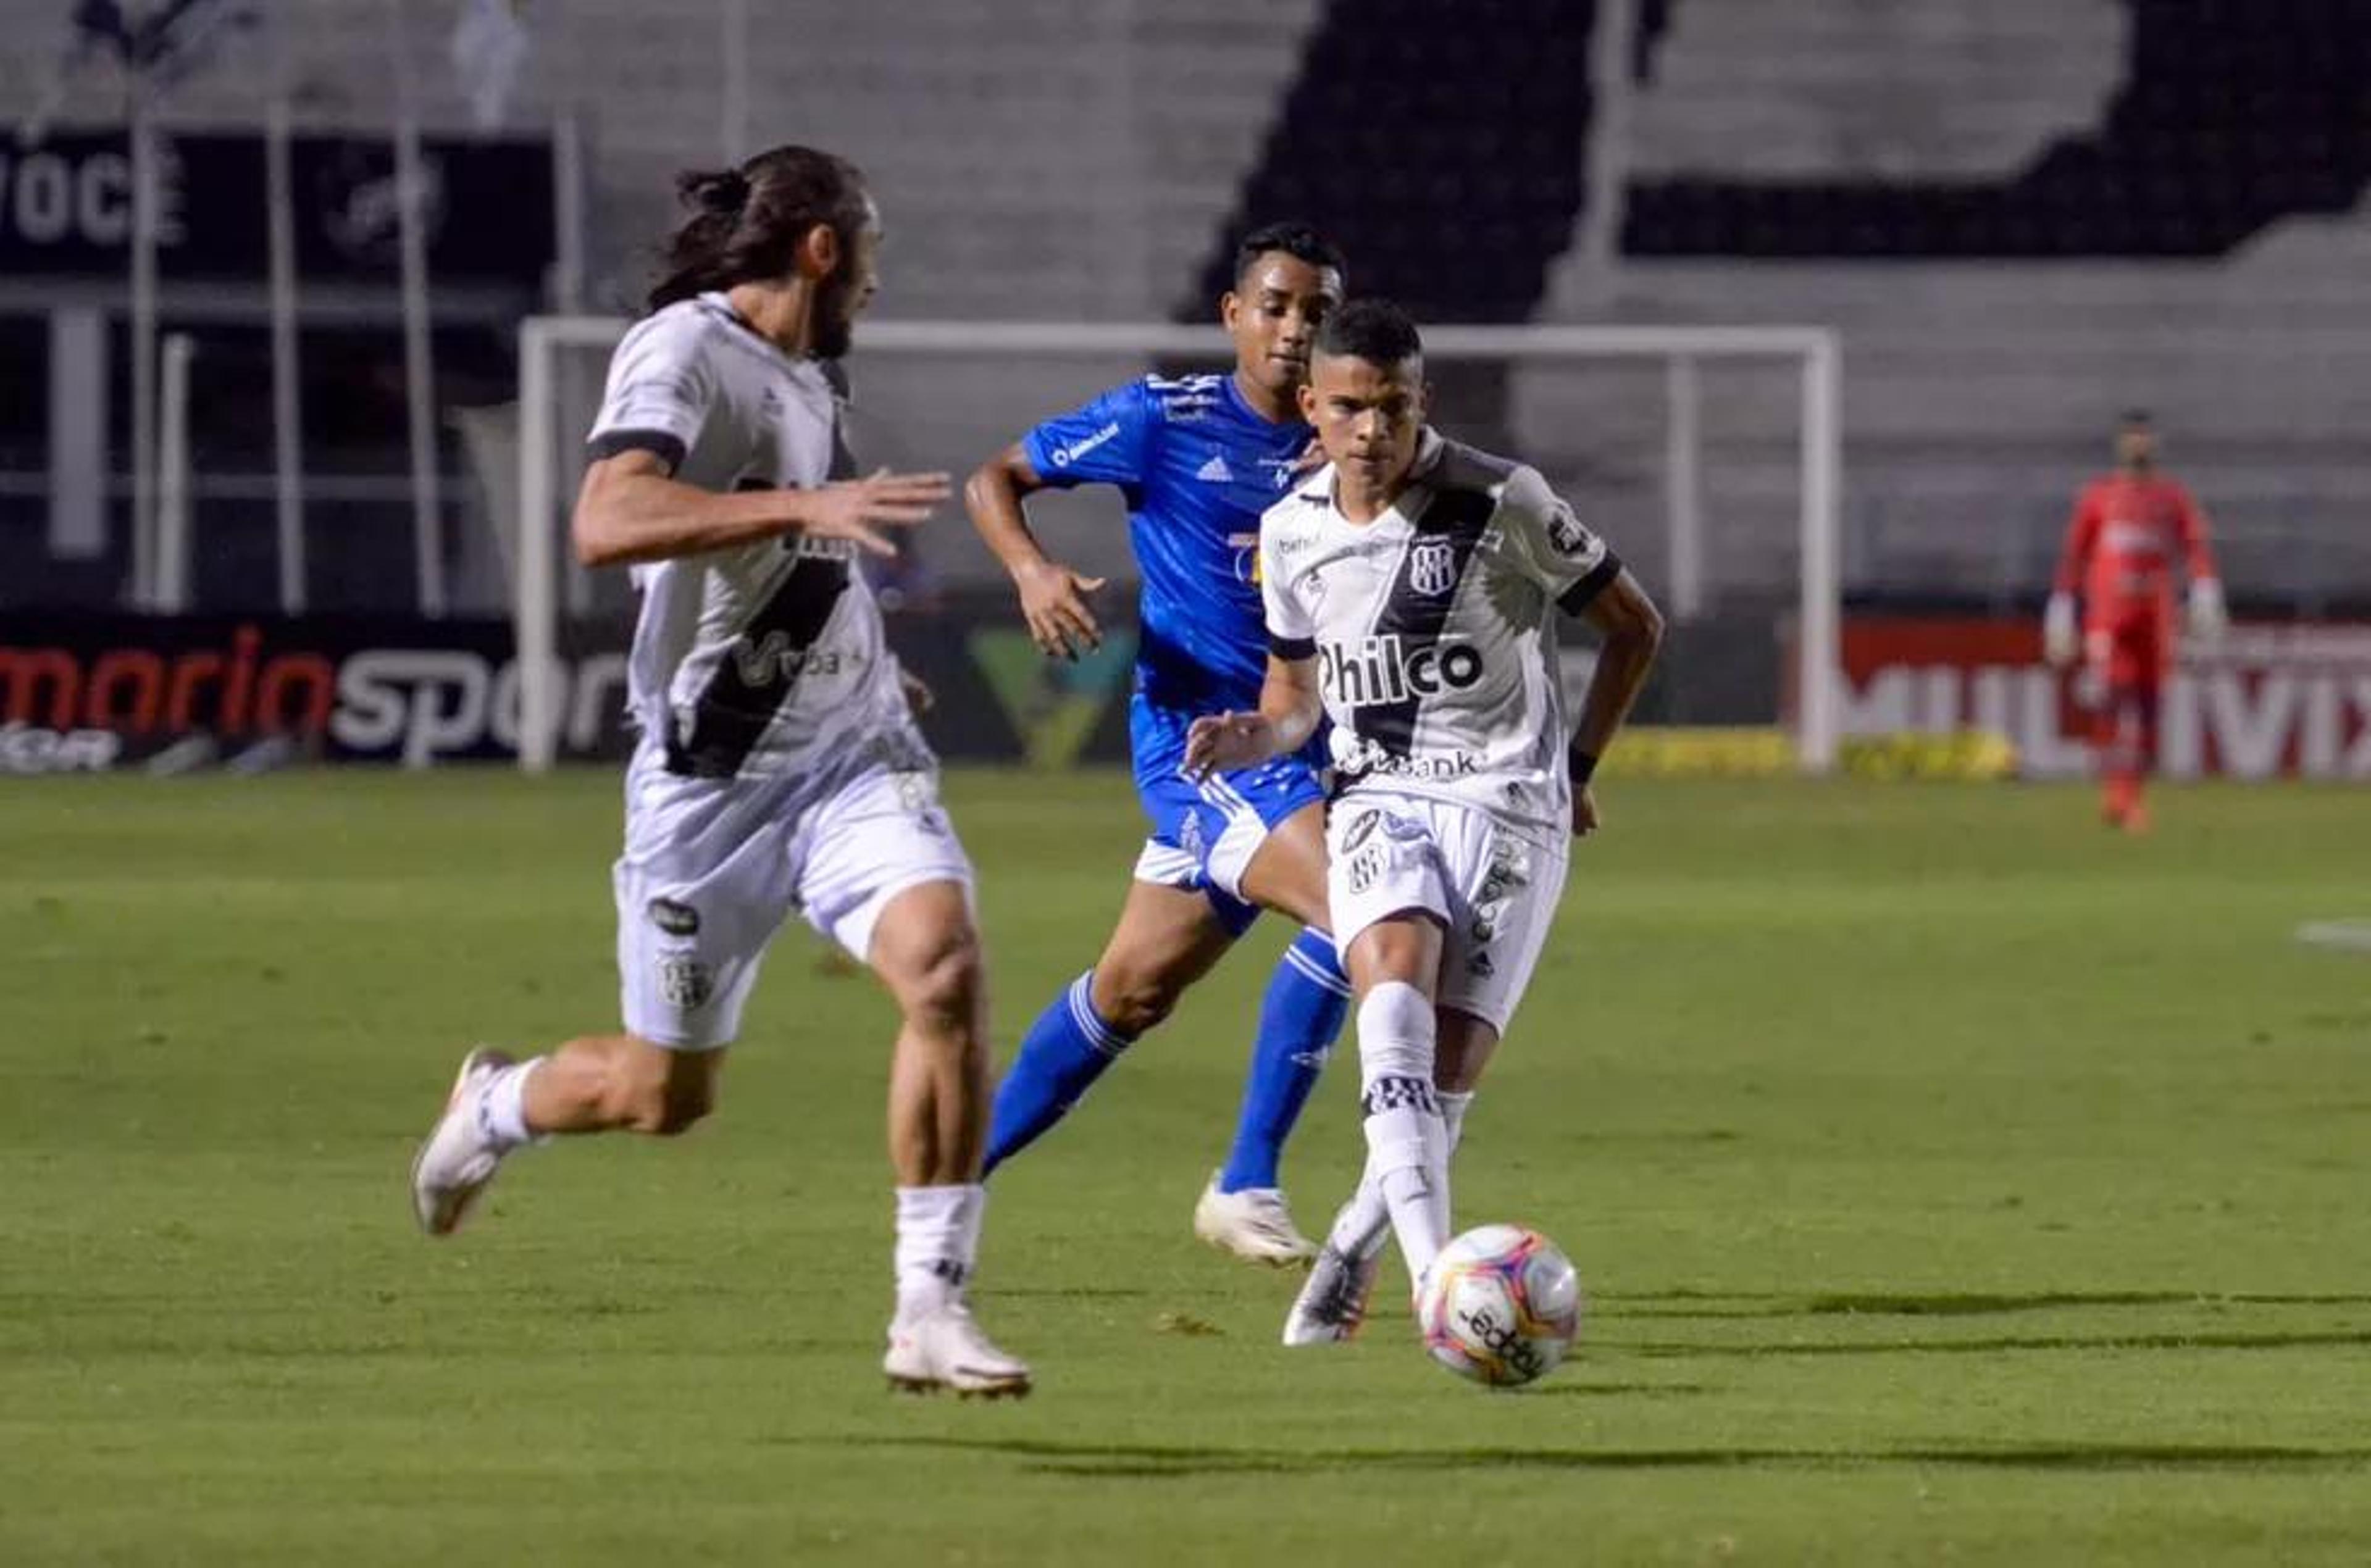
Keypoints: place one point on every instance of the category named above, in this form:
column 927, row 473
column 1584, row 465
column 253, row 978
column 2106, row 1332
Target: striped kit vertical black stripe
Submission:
column 758, row 676
column 1417, row 605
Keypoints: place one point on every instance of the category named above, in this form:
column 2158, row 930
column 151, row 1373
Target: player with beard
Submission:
column 777, row 767
column 2133, row 532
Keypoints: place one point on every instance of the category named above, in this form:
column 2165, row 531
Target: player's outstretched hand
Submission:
column 1584, row 811
column 857, row 510
column 1054, row 602
column 1221, row 743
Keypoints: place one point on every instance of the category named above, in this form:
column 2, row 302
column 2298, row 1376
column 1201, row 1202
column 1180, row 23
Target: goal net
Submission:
column 1709, row 457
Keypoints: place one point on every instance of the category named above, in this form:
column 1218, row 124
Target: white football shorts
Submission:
column 711, row 867
column 1494, row 890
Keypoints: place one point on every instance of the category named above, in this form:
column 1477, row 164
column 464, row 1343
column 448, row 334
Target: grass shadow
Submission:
column 1707, row 1305
column 1168, row 1461
column 2303, row 1340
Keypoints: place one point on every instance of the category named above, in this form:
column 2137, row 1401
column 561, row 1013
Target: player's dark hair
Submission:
column 1297, row 240
column 2137, row 418
column 746, row 222
column 1376, row 330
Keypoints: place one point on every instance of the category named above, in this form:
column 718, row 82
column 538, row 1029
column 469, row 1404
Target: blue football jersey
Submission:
column 1197, row 467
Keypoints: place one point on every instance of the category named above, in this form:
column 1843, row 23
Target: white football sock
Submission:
column 502, row 1115
column 1364, row 1223
column 938, row 1239
column 1408, row 1144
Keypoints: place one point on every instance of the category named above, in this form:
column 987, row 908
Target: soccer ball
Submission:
column 1500, row 1305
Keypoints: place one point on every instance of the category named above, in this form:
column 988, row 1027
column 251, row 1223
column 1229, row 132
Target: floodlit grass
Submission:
column 1955, row 1184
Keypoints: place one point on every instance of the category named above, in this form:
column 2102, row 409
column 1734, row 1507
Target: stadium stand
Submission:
column 1908, row 171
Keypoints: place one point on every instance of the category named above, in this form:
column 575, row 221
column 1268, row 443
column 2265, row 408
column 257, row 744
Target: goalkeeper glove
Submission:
column 2059, row 640
column 2208, row 619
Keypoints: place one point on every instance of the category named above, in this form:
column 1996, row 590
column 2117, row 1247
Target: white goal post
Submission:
column 546, row 452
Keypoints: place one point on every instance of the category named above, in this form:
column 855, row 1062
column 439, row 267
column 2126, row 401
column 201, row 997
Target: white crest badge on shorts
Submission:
column 686, row 982
column 1432, row 566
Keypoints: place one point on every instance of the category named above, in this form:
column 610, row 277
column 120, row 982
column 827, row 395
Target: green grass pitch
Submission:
column 1954, row 1183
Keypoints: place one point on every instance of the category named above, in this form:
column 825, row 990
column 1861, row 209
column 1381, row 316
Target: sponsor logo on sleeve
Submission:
column 1065, row 455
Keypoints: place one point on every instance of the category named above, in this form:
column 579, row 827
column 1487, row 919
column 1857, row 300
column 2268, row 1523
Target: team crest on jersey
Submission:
column 1432, row 566
column 686, row 983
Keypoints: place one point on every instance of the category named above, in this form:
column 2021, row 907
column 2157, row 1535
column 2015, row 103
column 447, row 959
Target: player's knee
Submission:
column 1133, row 1001
column 942, row 989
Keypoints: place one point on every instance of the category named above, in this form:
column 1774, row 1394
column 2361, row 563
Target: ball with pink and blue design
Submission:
column 1500, row 1305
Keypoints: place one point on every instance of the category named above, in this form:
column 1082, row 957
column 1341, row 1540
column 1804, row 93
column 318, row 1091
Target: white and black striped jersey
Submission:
column 1434, row 627
column 767, row 657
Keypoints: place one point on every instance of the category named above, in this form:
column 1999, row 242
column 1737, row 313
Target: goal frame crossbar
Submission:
column 1817, row 350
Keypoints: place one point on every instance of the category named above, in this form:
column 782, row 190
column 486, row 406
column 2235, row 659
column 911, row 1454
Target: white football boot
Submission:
column 1332, row 1301
column 946, row 1348
column 458, row 1157
column 1255, row 1225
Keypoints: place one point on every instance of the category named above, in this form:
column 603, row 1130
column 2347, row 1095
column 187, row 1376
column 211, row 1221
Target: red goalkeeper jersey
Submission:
column 2127, row 535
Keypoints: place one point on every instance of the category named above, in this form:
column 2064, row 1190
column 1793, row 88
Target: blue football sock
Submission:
column 1307, row 999
column 1064, row 1052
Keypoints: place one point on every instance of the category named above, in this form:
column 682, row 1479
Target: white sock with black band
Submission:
column 1407, row 1142
column 1364, row 1223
